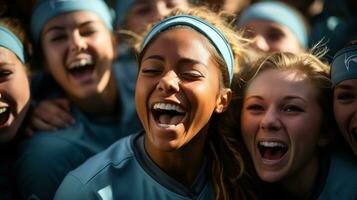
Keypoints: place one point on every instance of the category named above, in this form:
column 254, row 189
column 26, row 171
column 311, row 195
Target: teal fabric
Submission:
column 279, row 13
column 48, row 156
column 116, row 174
column 11, row 42
column 215, row 36
column 45, row 10
column 121, row 10
column 341, row 181
column 344, row 65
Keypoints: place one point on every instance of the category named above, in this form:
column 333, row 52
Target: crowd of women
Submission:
column 178, row 99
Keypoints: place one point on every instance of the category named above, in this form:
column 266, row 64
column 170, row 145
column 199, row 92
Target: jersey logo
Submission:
column 106, row 193
column 349, row 61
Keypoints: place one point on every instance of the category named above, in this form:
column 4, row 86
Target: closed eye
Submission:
column 255, row 108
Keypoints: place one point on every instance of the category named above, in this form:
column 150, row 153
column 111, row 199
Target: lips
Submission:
column 4, row 115
column 168, row 114
column 272, row 150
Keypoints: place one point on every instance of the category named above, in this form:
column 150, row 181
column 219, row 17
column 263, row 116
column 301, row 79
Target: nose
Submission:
column 261, row 43
column 270, row 120
column 169, row 83
column 78, row 42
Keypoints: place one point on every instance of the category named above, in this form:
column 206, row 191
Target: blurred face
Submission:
column 345, row 109
column 78, row 51
column 14, row 94
column 272, row 37
column 145, row 12
column 177, row 90
column 281, row 127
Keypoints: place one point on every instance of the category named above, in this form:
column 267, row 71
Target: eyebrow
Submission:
column 180, row 62
column 344, row 86
column 61, row 28
column 285, row 98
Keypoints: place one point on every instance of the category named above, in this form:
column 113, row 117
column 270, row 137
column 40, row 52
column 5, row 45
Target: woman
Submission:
column 186, row 64
column 14, row 99
column 344, row 79
column 287, row 129
column 77, row 49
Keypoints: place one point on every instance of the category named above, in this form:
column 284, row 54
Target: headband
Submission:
column 11, row 42
column 121, row 9
column 48, row 9
column 278, row 13
column 215, row 36
column 344, row 65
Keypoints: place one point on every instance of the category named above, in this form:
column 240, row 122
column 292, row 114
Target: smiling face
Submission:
column 281, row 127
column 15, row 94
column 144, row 12
column 345, row 109
column 78, row 51
column 272, row 37
column 178, row 88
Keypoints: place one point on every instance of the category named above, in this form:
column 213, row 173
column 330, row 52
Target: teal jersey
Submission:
column 48, row 156
column 341, row 181
column 120, row 172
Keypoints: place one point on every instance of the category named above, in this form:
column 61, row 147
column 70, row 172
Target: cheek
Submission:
column 248, row 126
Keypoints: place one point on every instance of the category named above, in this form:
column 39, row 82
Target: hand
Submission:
column 49, row 115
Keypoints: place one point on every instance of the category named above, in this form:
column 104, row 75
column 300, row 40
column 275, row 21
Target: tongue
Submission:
column 273, row 153
column 170, row 119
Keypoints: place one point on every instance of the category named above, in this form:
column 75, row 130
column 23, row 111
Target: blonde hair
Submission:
column 224, row 156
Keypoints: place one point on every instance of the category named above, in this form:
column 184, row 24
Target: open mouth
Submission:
column 81, row 68
column 168, row 114
column 4, row 115
column 272, row 150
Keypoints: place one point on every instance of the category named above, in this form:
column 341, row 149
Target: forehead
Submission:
column 278, row 82
column 7, row 56
column 181, row 41
column 265, row 25
column 73, row 19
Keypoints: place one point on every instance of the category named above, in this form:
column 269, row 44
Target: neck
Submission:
column 182, row 164
column 103, row 103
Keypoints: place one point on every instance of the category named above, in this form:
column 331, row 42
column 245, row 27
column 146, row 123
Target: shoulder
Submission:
column 116, row 155
column 341, row 182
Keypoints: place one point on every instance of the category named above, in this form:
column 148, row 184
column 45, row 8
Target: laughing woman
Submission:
column 77, row 49
column 287, row 130
column 186, row 66
column 14, row 100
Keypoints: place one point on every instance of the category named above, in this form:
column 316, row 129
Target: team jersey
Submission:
column 124, row 171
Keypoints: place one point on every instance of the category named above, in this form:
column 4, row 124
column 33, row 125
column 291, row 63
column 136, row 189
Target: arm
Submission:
column 49, row 115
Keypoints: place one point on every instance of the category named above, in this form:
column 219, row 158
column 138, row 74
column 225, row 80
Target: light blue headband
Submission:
column 121, row 9
column 215, row 36
column 344, row 65
column 278, row 13
column 47, row 9
column 11, row 42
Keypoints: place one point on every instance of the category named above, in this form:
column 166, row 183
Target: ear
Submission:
column 223, row 100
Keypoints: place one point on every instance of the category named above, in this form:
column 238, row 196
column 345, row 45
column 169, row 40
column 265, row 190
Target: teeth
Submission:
column 272, row 144
column 81, row 63
column 2, row 110
column 167, row 106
